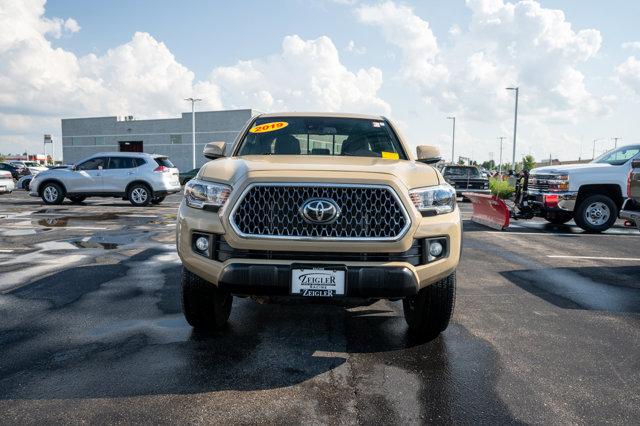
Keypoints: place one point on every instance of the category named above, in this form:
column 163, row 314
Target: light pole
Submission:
column 500, row 165
column 515, row 128
column 615, row 141
column 193, row 127
column 593, row 154
column 453, row 139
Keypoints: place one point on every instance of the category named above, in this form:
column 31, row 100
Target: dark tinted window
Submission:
column 92, row 164
column 321, row 136
column 164, row 161
column 122, row 163
column 461, row 171
column 139, row 162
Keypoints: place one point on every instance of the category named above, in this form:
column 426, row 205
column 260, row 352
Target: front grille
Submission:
column 539, row 182
column 366, row 212
column 416, row 255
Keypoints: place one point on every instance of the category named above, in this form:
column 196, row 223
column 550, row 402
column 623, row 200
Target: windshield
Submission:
column 461, row 172
column 321, row 136
column 618, row 156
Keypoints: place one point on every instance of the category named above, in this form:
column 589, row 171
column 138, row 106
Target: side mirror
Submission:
column 635, row 163
column 428, row 154
column 214, row 150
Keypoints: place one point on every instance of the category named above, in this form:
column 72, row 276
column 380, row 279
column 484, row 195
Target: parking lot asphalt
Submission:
column 546, row 329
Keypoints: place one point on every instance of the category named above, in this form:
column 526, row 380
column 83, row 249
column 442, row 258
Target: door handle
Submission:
column 129, row 173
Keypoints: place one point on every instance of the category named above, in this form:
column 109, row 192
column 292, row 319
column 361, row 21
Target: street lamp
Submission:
column 615, row 141
column 593, row 154
column 500, row 165
column 193, row 127
column 453, row 139
column 515, row 127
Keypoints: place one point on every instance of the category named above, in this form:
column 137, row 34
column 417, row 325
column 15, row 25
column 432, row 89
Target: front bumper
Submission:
column 275, row 280
column 566, row 201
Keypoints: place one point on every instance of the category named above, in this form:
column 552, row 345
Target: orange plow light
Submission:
column 489, row 210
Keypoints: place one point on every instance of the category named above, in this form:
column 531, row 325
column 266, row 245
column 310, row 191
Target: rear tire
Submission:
column 52, row 193
column 428, row 313
column 139, row 195
column 157, row 200
column 558, row 218
column 596, row 213
column 77, row 199
column 205, row 307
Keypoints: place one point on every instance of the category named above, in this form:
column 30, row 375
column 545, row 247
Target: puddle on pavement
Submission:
column 64, row 221
column 89, row 244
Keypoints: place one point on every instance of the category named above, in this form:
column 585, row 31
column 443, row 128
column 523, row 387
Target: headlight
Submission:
column 200, row 194
column 433, row 200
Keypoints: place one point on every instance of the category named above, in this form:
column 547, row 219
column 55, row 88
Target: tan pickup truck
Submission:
column 308, row 205
column 631, row 207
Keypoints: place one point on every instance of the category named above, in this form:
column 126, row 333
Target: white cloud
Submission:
column 71, row 25
column 413, row 36
column 40, row 83
column 505, row 44
column 628, row 74
column 352, row 48
column 305, row 75
column 631, row 45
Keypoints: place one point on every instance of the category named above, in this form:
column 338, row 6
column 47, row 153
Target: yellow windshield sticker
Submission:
column 269, row 127
column 390, row 155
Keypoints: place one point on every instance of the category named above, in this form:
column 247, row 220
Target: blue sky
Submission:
column 414, row 61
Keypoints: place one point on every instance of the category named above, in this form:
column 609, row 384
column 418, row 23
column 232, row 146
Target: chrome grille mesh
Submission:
column 539, row 182
column 273, row 211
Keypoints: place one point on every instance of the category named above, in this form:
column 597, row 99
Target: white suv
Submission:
column 141, row 178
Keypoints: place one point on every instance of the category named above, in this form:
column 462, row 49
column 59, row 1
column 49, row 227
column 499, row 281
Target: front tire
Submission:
column 596, row 213
column 428, row 313
column 139, row 195
column 205, row 307
column 52, row 193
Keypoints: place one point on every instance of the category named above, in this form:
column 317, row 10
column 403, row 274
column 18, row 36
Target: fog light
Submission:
column 435, row 249
column 202, row 244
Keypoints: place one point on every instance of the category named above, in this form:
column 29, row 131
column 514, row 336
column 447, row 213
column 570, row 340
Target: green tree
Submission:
column 528, row 162
column 489, row 165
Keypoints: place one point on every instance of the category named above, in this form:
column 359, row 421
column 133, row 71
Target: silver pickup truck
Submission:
column 631, row 208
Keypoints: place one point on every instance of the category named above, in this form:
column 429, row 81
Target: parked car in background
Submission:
column 23, row 182
column 592, row 194
column 6, row 182
column 35, row 167
column 15, row 171
column 631, row 207
column 466, row 179
column 139, row 177
column 187, row 176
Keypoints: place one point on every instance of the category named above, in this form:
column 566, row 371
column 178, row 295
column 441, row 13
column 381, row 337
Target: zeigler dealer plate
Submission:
column 317, row 281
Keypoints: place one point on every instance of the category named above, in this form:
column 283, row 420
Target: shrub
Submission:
column 501, row 188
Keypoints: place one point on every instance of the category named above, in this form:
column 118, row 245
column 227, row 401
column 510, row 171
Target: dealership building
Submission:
column 82, row 137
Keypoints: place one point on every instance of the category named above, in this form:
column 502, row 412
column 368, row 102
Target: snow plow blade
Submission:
column 489, row 210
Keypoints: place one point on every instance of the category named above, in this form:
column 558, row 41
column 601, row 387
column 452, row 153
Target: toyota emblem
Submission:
column 320, row 211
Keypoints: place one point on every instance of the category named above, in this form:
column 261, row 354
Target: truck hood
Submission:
column 232, row 169
column 568, row 168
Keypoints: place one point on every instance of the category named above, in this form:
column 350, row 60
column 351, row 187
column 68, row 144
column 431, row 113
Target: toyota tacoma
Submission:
column 313, row 206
